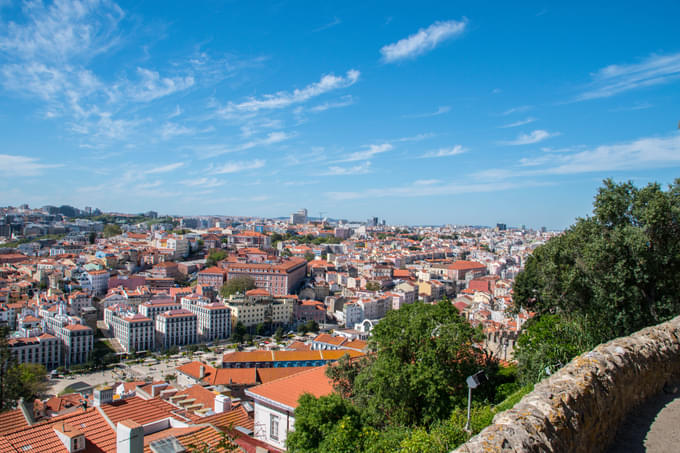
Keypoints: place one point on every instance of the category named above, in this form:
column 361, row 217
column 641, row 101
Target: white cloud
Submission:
column 202, row 182
column 14, row 166
column 521, row 108
column 165, row 168
column 237, row 166
column 208, row 151
column 330, row 24
column 344, row 102
column 445, row 152
column 343, row 171
column 428, row 190
column 423, row 41
column 426, row 182
column 440, row 111
column 284, row 99
column 171, row 130
column 371, row 151
column 533, row 137
column 615, row 79
column 152, row 86
column 518, row 123
column 649, row 152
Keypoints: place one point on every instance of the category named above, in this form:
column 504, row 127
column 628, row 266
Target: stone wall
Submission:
column 579, row 408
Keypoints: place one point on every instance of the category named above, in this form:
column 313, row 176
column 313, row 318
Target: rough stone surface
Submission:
column 580, row 407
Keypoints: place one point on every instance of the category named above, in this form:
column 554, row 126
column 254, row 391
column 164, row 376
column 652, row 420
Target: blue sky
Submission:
column 420, row 112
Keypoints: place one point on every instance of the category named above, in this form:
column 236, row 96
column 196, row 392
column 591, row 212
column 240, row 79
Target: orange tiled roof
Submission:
column 330, row 339
column 138, row 410
column 288, row 390
column 271, row 374
column 248, row 356
column 12, row 421
column 42, row 437
column 234, row 417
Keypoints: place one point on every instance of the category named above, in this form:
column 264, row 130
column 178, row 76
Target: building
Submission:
column 251, row 312
column 135, row 332
column 44, row 349
column 213, row 319
column 99, row 281
column 78, row 341
column 299, row 217
column 212, row 276
column 153, row 308
column 277, row 278
column 275, row 403
column 175, row 328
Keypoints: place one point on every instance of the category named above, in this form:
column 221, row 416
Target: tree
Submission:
column 237, row 285
column 617, row 270
column 260, row 329
column 30, row 381
column 111, row 229
column 278, row 335
column 423, row 354
column 91, row 237
column 215, row 256
column 329, row 424
column 373, row 286
column 239, row 332
column 309, row 256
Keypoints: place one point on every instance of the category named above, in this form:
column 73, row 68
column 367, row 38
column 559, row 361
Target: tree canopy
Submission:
column 27, row 380
column 111, row 229
column 215, row 256
column 237, row 285
column 617, row 270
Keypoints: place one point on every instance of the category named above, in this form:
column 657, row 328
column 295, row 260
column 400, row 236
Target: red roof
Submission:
column 288, row 390
column 466, row 265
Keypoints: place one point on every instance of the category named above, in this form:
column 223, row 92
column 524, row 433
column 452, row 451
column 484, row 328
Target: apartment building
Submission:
column 252, row 312
column 78, row 341
column 175, row 328
column 277, row 278
column 153, row 308
column 213, row 319
column 99, row 281
column 44, row 349
column 134, row 331
column 212, row 276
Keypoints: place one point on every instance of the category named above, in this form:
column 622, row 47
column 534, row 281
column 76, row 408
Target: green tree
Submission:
column 91, row 237
column 239, row 332
column 260, row 329
column 328, row 424
column 309, row 256
column 29, row 381
column 617, row 270
column 373, row 286
column 423, row 355
column 237, row 285
column 278, row 335
column 215, row 256
column 111, row 229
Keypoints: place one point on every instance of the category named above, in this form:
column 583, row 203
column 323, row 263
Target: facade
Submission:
column 279, row 279
column 212, row 276
column 78, row 341
column 153, row 308
column 213, row 319
column 175, row 328
column 44, row 349
column 99, row 281
column 265, row 311
column 133, row 331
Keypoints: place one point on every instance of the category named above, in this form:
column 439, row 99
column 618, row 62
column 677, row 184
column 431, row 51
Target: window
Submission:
column 274, row 426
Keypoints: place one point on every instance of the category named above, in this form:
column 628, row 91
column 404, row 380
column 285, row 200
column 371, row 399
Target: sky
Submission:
column 461, row 112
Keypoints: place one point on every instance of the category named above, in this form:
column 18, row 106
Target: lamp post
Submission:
column 473, row 382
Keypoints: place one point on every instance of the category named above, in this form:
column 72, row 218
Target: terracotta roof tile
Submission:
column 288, row 390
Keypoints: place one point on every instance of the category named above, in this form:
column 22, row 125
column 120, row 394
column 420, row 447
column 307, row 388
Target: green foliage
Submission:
column 550, row 341
column 278, row 335
column 237, row 285
column 373, row 286
column 111, row 230
column 309, row 256
column 617, row 269
column 28, row 381
column 424, row 353
column 309, row 326
column 239, row 332
column 215, row 256
column 329, row 424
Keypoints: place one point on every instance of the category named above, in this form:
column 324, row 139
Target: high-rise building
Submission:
column 299, row 217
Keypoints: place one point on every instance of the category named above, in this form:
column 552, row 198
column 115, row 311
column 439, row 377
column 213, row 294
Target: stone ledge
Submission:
column 579, row 408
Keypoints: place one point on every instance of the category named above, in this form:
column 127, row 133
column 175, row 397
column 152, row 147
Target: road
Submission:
column 654, row 427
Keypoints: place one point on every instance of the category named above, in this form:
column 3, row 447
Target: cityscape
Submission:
column 386, row 227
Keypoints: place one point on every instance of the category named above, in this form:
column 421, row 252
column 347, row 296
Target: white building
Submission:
column 213, row 319
column 99, row 281
column 175, row 328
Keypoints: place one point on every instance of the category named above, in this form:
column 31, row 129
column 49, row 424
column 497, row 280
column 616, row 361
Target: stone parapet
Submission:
column 579, row 408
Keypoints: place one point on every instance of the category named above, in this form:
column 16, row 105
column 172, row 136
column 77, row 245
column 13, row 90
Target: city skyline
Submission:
column 445, row 114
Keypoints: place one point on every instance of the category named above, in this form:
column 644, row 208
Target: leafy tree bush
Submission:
column 111, row 229
column 237, row 285
column 214, row 257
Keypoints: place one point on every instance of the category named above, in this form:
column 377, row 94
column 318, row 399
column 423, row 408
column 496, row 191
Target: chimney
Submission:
column 222, row 403
column 129, row 437
column 156, row 389
column 201, row 371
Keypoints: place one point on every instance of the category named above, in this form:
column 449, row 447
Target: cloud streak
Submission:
column 440, row 111
column 615, row 79
column 422, row 41
column 165, row 168
column 13, row 166
column 237, row 167
column 518, row 123
column 282, row 99
column 367, row 154
column 360, row 169
column 444, row 152
column 531, row 138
